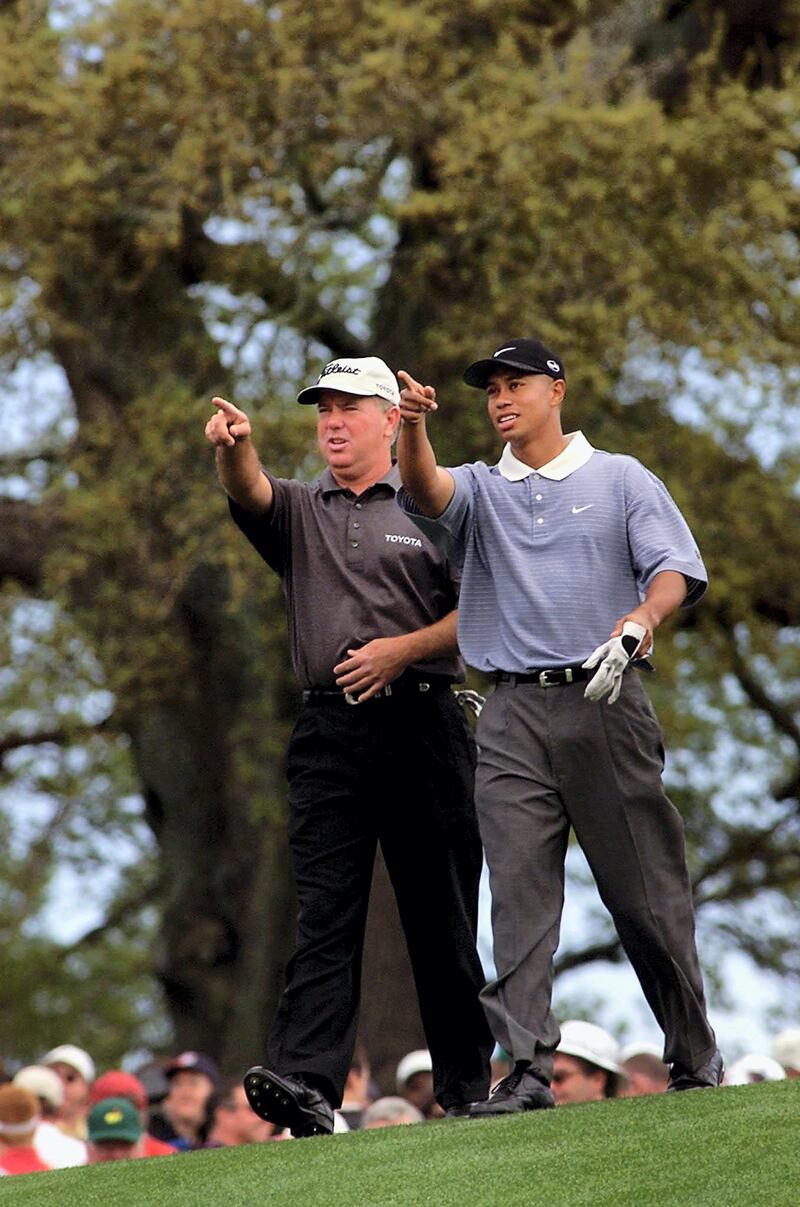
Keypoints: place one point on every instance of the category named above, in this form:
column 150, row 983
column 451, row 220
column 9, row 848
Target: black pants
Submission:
column 396, row 771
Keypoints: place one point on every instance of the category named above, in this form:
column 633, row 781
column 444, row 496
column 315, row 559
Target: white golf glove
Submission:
column 613, row 656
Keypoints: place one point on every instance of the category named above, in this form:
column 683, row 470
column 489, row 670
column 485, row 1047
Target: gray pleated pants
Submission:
column 551, row 761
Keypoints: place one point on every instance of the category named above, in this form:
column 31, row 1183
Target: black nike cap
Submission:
column 529, row 355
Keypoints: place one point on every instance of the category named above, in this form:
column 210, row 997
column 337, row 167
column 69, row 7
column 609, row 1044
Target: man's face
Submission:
column 571, row 1082
column 111, row 1150
column 76, row 1090
column 521, row 405
column 238, row 1122
column 418, row 1090
column 354, row 434
column 638, row 1083
column 187, row 1097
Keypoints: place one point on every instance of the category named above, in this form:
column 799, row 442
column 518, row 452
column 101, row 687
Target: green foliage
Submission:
column 74, row 852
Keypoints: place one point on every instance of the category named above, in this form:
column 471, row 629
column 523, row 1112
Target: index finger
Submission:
column 226, row 407
column 411, row 384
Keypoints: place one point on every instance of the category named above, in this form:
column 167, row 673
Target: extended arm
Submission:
column 366, row 670
column 238, row 464
column 430, row 486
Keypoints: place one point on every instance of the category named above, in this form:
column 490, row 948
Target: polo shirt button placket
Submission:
column 354, row 544
column 537, row 498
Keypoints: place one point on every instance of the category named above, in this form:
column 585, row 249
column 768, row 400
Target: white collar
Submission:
column 576, row 454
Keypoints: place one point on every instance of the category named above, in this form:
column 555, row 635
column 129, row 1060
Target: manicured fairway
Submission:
column 737, row 1146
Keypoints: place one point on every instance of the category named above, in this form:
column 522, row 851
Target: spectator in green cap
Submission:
column 115, row 1131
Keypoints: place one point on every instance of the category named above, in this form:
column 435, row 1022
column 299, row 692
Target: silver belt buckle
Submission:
column 545, row 682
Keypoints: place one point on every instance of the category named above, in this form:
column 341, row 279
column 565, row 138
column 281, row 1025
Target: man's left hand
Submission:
column 366, row 670
column 613, row 656
column 640, row 616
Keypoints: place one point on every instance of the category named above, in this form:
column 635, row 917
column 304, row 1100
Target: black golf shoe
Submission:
column 524, row 1089
column 707, row 1077
column 288, row 1102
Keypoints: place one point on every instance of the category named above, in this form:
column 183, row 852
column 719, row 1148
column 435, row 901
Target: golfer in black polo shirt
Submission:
column 380, row 753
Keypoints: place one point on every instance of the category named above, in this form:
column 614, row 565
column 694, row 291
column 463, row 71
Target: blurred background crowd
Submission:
column 63, row 1112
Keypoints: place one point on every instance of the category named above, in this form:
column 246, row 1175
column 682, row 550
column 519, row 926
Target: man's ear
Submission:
column 392, row 420
column 559, row 390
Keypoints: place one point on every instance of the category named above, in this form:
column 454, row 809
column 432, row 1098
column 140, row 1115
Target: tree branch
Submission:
column 60, row 735
column 611, row 951
column 123, row 908
column 781, row 716
column 249, row 268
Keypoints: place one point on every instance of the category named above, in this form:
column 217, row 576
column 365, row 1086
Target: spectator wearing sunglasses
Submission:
column 76, row 1069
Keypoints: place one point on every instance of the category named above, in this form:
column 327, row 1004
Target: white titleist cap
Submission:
column 367, row 376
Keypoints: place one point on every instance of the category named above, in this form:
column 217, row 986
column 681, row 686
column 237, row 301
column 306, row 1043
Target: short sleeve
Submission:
column 658, row 535
column 449, row 531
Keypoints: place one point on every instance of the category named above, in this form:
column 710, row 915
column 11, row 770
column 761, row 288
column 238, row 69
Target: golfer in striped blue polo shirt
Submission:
column 571, row 557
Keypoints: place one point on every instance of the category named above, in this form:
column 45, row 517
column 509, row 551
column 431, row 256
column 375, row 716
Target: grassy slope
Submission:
column 737, row 1146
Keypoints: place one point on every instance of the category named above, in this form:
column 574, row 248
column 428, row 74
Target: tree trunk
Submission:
column 215, row 800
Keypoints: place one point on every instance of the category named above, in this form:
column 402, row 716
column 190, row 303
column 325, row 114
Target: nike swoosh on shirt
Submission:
column 578, row 510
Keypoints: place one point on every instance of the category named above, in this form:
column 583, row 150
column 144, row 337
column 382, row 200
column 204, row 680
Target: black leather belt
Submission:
column 404, row 686
column 559, row 676
column 550, row 676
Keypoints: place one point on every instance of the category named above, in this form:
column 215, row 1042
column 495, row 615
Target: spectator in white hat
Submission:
column 753, row 1068
column 786, row 1050
column 76, row 1069
column 19, row 1114
column 414, row 1079
column 54, row 1148
column 586, row 1064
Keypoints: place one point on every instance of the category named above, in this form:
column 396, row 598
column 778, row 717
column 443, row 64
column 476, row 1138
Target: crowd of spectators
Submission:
column 60, row 1112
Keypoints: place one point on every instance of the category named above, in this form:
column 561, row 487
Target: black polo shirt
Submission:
column 353, row 568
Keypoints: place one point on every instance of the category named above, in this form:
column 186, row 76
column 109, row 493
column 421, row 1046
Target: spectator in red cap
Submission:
column 192, row 1077
column 116, row 1083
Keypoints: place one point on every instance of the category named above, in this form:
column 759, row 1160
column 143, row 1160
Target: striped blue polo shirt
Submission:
column 551, row 558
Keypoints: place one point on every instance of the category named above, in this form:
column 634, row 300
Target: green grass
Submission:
column 736, row 1146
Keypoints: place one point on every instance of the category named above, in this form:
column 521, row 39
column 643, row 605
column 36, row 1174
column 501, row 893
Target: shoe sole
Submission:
column 272, row 1099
